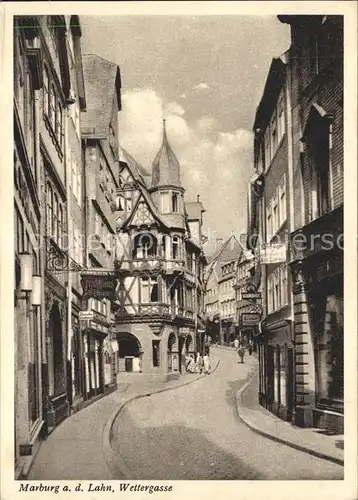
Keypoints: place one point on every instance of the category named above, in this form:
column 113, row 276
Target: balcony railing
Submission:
column 151, row 264
column 159, row 309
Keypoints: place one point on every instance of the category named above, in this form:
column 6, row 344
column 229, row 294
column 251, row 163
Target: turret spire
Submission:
column 166, row 168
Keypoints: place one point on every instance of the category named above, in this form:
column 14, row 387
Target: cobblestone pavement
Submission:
column 193, row 432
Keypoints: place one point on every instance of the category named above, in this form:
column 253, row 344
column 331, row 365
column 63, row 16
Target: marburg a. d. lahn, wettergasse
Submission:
column 127, row 487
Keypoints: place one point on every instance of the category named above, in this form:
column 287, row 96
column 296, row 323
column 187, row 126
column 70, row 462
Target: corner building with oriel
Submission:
column 160, row 266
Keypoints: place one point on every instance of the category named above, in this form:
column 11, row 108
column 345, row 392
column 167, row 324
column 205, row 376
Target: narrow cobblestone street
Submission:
column 193, row 432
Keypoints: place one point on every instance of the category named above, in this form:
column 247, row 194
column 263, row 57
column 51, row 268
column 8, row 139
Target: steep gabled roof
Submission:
column 103, row 84
column 194, row 209
column 138, row 172
column 145, row 195
column 229, row 251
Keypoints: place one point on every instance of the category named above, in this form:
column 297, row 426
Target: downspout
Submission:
column 69, row 274
column 291, row 225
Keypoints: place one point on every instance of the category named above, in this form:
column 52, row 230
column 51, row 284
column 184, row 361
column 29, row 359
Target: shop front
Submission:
column 318, row 289
column 326, row 316
column 276, row 368
column 94, row 363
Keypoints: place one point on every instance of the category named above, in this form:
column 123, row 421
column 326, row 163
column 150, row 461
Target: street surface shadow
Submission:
column 176, row 452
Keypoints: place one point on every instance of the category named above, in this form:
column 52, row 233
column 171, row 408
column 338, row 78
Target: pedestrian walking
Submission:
column 236, row 343
column 241, row 353
column 250, row 348
column 199, row 363
column 206, row 361
column 190, row 367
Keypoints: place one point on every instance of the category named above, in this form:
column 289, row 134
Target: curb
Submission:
column 275, row 438
column 115, row 462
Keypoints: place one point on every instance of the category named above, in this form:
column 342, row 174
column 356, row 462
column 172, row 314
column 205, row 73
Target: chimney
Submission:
column 219, row 243
column 198, row 198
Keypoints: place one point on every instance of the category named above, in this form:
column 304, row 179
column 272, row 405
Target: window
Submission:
column 149, row 290
column 128, row 203
column 284, row 285
column 273, row 130
column 55, row 218
column 49, row 211
column 269, row 228
column 175, row 247
column 282, row 199
column 165, row 202
column 59, row 122
column 276, row 292
column 60, row 227
column 318, row 156
column 275, row 221
column 46, row 83
column 281, row 117
column 267, row 147
column 175, row 202
column 30, row 120
column 52, row 108
column 145, row 246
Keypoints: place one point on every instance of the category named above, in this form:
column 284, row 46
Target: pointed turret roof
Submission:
column 166, row 167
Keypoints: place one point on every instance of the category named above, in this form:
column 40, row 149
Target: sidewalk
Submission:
column 310, row 440
column 77, row 447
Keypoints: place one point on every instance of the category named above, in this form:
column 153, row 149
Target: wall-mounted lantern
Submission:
column 26, row 262
column 36, row 290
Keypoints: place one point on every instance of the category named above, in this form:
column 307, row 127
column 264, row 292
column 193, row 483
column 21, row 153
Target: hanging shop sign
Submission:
column 250, row 319
column 251, row 296
column 85, row 315
column 273, row 254
column 99, row 286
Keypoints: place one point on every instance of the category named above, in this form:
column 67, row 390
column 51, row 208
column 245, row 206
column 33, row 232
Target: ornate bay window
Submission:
column 144, row 246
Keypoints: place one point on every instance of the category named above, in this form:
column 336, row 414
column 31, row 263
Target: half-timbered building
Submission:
column 160, row 265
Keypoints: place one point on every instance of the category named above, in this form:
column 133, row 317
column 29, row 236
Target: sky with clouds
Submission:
column 206, row 75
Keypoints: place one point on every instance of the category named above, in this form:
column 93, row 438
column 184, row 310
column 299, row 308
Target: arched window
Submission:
column 145, row 246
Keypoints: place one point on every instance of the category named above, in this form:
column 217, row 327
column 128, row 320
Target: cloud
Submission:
column 201, row 86
column 215, row 164
column 174, row 108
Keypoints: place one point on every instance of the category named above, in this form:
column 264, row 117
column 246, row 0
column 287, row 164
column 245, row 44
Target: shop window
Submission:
column 276, row 391
column 283, row 364
column 329, row 345
column 156, row 352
